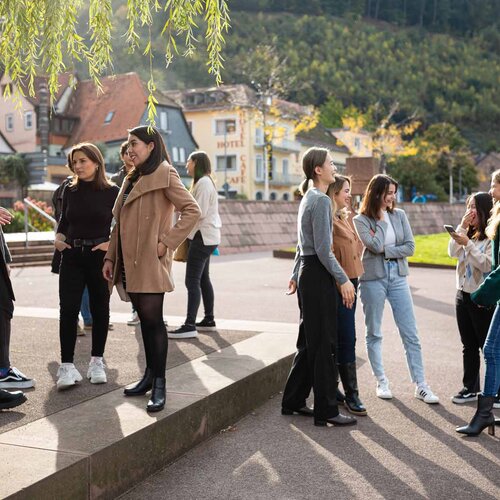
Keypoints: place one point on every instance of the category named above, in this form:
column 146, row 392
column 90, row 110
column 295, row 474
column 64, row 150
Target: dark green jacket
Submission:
column 488, row 293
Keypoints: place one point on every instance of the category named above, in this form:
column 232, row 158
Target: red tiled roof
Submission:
column 64, row 80
column 125, row 95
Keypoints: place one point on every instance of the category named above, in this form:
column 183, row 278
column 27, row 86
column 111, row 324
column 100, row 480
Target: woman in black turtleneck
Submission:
column 83, row 238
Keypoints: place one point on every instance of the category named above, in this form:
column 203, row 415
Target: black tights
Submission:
column 149, row 307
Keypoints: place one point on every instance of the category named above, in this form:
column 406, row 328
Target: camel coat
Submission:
column 142, row 222
column 347, row 247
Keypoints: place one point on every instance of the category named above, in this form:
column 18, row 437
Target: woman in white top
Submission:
column 472, row 248
column 203, row 240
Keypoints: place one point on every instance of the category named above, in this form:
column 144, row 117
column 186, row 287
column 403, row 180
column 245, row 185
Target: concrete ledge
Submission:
column 102, row 447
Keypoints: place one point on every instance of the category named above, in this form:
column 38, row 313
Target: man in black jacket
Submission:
column 10, row 377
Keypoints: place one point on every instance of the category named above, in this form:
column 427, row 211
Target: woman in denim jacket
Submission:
column 388, row 239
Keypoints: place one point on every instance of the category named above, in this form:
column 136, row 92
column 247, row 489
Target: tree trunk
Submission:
column 377, row 7
column 434, row 14
column 369, row 8
column 422, row 11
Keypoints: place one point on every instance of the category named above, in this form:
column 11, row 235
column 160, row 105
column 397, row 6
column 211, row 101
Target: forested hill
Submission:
column 356, row 61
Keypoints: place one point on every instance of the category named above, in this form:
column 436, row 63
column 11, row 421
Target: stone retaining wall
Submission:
column 251, row 226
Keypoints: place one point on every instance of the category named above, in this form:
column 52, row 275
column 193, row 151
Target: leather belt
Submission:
column 390, row 260
column 79, row 242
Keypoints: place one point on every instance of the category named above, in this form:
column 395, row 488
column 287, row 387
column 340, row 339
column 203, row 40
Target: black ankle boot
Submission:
column 157, row 401
column 482, row 418
column 143, row 386
column 349, row 379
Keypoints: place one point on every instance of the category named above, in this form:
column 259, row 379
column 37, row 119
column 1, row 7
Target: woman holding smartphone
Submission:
column 488, row 294
column 470, row 245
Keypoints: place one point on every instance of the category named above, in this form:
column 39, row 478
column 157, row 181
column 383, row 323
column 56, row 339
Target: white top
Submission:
column 474, row 261
column 209, row 223
column 390, row 235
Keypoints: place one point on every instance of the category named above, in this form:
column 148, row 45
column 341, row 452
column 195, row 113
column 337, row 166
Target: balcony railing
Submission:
column 281, row 145
column 281, row 179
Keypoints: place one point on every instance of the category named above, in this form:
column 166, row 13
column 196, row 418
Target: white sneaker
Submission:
column 134, row 319
column 423, row 392
column 383, row 391
column 96, row 372
column 68, row 376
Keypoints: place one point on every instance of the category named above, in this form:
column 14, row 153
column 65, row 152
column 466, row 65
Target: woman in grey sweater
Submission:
column 388, row 239
column 315, row 272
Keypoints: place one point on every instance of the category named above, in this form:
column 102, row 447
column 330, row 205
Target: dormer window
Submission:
column 109, row 117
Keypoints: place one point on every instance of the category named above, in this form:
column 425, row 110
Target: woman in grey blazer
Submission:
column 388, row 239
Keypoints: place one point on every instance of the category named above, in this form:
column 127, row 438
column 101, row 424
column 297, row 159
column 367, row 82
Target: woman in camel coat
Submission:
column 139, row 259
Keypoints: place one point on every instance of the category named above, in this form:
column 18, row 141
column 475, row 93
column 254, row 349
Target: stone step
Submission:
column 102, row 447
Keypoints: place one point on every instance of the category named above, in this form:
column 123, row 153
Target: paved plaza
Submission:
column 403, row 448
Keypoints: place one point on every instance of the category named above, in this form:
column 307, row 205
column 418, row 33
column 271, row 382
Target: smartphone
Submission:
column 449, row 228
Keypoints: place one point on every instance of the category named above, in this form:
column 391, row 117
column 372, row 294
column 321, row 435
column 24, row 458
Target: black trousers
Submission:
column 5, row 318
column 197, row 281
column 473, row 323
column 82, row 267
column 315, row 363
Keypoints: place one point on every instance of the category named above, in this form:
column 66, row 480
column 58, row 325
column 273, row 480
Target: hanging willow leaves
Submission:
column 43, row 37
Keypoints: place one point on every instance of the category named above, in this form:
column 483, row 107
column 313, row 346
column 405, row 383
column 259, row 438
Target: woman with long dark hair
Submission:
column 347, row 248
column 472, row 248
column 83, row 239
column 203, row 240
column 388, row 239
column 139, row 259
column 488, row 294
column 315, row 273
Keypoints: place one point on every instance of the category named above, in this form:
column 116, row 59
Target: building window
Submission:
column 163, row 120
column 109, row 117
column 182, row 155
column 273, row 196
column 28, row 120
column 273, row 167
column 259, row 168
column 223, row 127
column 226, row 163
column 357, row 143
column 259, row 137
column 286, row 196
column 175, row 154
column 285, row 168
column 259, row 195
column 9, row 122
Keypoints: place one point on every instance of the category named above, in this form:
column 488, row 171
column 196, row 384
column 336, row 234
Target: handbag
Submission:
column 181, row 252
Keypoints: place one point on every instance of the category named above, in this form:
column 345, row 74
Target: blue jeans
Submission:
column 373, row 295
column 491, row 351
column 85, row 308
column 346, row 330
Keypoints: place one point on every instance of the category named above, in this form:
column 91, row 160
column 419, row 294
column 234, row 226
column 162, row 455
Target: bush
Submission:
column 17, row 223
column 36, row 220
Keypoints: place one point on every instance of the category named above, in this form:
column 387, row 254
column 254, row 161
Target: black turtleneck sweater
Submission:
column 86, row 212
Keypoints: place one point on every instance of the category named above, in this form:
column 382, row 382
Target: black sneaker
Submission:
column 16, row 380
column 11, row 399
column 464, row 396
column 184, row 332
column 206, row 325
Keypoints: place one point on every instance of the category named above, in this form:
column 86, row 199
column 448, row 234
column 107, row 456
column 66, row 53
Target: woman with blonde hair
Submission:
column 139, row 258
column 83, row 238
column 488, row 294
column 314, row 275
column 347, row 248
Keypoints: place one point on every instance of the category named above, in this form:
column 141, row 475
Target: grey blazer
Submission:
column 375, row 253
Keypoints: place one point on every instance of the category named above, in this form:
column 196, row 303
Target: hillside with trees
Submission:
column 366, row 62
